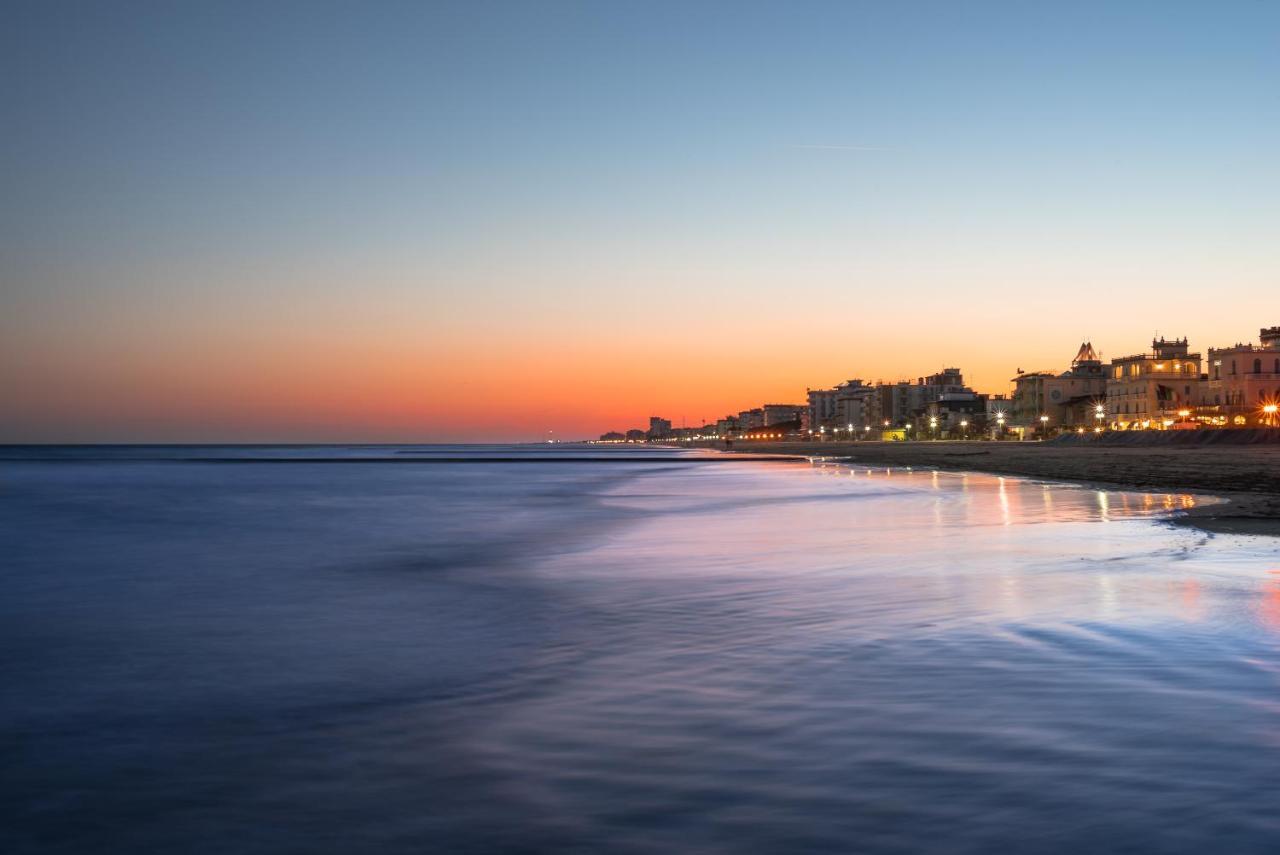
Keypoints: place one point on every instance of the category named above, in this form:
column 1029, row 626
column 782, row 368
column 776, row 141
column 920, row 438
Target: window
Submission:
column 1257, row 366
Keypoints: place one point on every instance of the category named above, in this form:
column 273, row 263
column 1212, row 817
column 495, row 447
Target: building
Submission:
column 821, row 411
column 955, row 414
column 727, row 426
column 613, row 436
column 904, row 402
column 1153, row 390
column 751, row 419
column 659, row 428
column 1069, row 399
column 776, row 414
column 945, row 382
column 901, row 402
column 1241, row 380
column 855, row 406
column 635, row 435
column 997, row 409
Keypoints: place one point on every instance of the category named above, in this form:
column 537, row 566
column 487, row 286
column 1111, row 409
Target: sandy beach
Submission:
column 1247, row 477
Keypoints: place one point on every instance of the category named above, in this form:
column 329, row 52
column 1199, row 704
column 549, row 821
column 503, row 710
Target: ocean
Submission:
column 576, row 649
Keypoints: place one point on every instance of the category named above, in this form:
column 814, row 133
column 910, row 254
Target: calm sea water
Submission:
column 649, row 656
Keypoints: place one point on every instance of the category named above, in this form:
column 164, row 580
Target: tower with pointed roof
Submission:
column 1086, row 353
column 1068, row 400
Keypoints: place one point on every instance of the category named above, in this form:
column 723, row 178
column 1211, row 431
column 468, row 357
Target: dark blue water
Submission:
column 645, row 656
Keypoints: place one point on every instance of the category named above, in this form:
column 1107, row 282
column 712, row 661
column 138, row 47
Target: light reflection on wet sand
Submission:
column 986, row 653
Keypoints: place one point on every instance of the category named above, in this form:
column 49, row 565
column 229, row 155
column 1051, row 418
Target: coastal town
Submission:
column 1167, row 388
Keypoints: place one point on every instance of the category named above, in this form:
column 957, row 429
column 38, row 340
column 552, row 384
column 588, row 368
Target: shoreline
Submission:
column 1245, row 478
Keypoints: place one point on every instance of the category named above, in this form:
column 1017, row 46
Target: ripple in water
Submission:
column 640, row 658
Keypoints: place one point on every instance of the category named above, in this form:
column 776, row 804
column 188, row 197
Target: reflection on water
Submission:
column 640, row 658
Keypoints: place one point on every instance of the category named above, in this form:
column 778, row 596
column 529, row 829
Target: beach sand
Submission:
column 1247, row 477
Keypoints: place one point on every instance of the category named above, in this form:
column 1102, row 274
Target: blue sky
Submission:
column 179, row 171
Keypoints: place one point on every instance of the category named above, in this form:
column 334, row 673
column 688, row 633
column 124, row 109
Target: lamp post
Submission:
column 964, row 428
column 999, row 424
column 1044, row 426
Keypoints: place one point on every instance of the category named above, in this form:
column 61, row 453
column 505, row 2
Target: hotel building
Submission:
column 1242, row 379
column 1153, row 390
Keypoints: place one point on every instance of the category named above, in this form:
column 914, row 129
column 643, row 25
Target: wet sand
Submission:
column 1247, row 477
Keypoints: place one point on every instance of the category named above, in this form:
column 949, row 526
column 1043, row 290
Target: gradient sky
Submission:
column 384, row 221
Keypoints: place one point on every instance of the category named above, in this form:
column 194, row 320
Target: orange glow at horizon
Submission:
column 284, row 365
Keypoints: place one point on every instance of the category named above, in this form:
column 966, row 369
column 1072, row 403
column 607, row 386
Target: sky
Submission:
column 309, row 222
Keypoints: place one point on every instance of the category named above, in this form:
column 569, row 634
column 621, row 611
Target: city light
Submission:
column 1121, row 399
